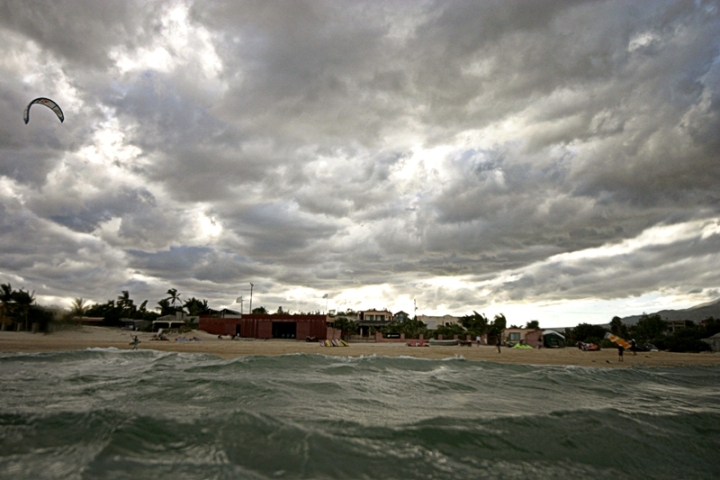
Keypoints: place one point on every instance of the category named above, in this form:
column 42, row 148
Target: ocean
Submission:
column 121, row 414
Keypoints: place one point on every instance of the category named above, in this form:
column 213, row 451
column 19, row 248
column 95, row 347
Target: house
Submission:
column 255, row 325
column 354, row 316
column 401, row 316
column 714, row 342
column 134, row 324
column 433, row 322
column 553, row 339
column 166, row 322
column 224, row 313
column 525, row 336
column 674, row 325
column 379, row 317
column 89, row 320
column 373, row 319
column 176, row 320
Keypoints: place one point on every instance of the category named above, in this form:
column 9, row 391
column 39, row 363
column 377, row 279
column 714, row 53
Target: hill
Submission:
column 697, row 313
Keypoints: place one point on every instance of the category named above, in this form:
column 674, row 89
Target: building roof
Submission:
column 553, row 332
column 88, row 319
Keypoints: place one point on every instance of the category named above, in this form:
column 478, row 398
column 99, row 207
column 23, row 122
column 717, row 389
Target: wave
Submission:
column 106, row 413
column 607, row 443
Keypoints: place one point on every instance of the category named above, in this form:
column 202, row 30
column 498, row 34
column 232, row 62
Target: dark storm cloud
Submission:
column 175, row 261
column 44, row 255
column 212, row 143
column 632, row 273
column 81, row 31
column 86, row 215
column 291, row 62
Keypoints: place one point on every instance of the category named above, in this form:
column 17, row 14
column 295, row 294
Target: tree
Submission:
column 260, row 310
column 534, row 324
column 586, row 332
column 450, row 330
column 711, row 326
column 195, row 306
column 686, row 339
column 173, row 298
column 23, row 301
column 6, row 299
column 650, row 327
column 346, row 326
column 165, row 308
column 280, row 311
column 126, row 304
column 498, row 325
column 476, row 324
column 412, row 328
column 100, row 310
column 617, row 327
column 78, row 307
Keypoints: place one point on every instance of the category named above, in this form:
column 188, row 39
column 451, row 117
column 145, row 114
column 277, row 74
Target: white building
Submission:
column 433, row 322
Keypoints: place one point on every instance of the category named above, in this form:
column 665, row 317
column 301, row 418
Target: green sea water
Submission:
column 109, row 414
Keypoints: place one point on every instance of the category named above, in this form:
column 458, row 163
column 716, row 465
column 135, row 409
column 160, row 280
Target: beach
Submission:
column 86, row 337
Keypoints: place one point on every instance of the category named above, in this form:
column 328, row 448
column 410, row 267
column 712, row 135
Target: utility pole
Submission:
column 240, row 299
column 251, row 287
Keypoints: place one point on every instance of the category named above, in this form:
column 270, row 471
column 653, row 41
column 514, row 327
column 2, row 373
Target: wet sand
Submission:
column 99, row 337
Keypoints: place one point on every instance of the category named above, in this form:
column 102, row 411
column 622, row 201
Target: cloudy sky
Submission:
column 549, row 159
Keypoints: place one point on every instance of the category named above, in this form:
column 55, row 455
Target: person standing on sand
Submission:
column 633, row 346
column 621, row 349
column 497, row 343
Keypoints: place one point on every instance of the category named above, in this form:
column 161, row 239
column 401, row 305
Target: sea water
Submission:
column 111, row 414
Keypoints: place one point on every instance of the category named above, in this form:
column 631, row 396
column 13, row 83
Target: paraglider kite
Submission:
column 48, row 103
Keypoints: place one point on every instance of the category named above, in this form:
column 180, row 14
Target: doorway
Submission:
column 284, row 329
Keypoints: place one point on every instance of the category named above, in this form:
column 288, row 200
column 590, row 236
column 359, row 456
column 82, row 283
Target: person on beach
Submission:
column 135, row 342
column 497, row 343
column 633, row 346
column 621, row 349
column 478, row 340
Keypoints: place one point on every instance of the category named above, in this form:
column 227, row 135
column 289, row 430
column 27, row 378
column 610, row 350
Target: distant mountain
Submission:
column 697, row 313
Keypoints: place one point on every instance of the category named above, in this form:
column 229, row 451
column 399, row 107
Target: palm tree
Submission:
column 165, row 308
column 174, row 296
column 142, row 309
column 78, row 308
column 477, row 323
column 23, row 301
column 497, row 327
column 195, row 306
column 126, row 304
column 6, row 298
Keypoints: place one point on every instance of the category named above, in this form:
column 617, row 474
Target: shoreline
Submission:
column 104, row 337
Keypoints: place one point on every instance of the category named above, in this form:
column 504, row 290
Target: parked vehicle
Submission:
column 588, row 347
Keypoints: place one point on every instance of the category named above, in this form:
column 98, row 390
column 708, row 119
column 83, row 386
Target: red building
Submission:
column 267, row 326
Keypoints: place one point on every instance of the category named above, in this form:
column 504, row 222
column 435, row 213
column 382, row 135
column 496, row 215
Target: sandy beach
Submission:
column 99, row 337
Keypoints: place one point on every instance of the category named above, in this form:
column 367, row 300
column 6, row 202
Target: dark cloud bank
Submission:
column 465, row 154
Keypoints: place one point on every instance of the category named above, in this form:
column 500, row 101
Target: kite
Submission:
column 48, row 103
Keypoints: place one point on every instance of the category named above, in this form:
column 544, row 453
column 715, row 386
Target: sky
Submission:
column 550, row 160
